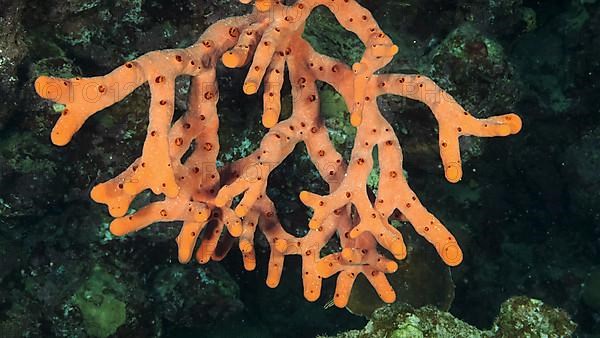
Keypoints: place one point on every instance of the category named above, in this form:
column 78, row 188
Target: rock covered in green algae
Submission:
column 400, row 321
column 102, row 310
column 519, row 317
column 527, row 317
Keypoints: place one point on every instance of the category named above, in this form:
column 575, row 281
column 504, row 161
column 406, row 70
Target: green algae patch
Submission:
column 526, row 317
column 103, row 313
column 409, row 329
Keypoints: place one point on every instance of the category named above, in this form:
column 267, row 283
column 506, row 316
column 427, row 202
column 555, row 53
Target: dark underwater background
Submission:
column 526, row 213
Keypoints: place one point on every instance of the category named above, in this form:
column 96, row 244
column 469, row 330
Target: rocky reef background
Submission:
column 527, row 212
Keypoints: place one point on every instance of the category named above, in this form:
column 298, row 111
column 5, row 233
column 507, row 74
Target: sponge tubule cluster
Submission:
column 201, row 195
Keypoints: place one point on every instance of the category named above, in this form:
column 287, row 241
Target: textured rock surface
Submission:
column 519, row 317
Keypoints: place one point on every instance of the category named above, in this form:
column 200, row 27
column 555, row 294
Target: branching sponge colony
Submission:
column 200, row 194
